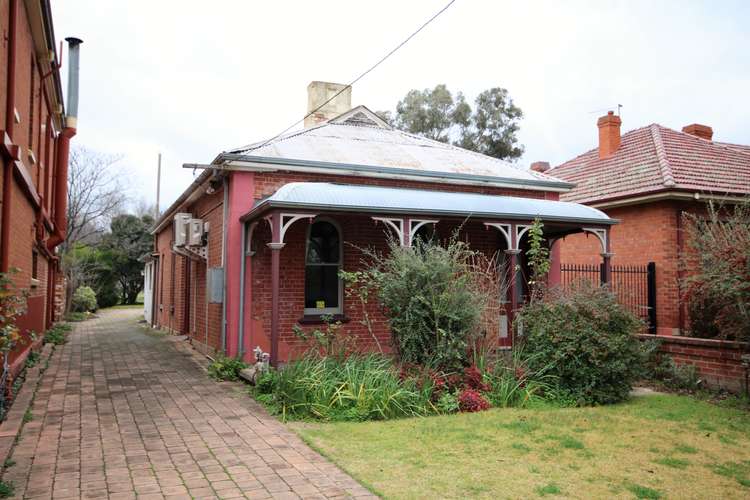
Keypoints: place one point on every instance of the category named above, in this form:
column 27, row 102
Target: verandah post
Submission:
column 606, row 261
column 276, row 245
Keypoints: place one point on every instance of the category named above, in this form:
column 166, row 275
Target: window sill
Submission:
column 35, row 283
column 317, row 319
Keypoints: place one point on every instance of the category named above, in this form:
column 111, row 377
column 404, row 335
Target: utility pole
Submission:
column 158, row 186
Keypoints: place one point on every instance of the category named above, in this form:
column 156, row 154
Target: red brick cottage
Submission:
column 34, row 141
column 254, row 245
column 647, row 179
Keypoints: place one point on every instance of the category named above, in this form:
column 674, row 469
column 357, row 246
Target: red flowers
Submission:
column 470, row 400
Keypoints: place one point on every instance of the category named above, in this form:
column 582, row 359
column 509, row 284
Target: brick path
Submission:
column 121, row 414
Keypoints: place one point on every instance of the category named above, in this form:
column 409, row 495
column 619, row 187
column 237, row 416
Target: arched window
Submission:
column 323, row 288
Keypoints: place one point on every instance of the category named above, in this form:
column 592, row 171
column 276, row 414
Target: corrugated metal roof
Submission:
column 377, row 199
column 359, row 137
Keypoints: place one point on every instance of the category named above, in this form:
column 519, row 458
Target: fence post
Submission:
column 651, row 274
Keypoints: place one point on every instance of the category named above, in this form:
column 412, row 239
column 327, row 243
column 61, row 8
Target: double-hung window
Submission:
column 323, row 287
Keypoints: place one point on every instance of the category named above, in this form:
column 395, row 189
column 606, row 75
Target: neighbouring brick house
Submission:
column 254, row 245
column 647, row 179
column 35, row 136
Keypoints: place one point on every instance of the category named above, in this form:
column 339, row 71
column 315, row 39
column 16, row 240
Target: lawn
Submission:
column 658, row 446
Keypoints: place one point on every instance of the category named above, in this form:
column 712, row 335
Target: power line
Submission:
column 349, row 85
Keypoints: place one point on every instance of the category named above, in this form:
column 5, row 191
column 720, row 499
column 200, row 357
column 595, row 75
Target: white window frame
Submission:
column 314, row 311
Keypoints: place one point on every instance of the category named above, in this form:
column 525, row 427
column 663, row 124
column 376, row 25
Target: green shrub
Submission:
column 57, row 334
column 224, row 368
column 587, row 341
column 7, row 489
column 360, row 387
column 107, row 294
column 432, row 301
column 84, row 300
column 76, row 317
column 32, row 359
column 448, row 403
column 718, row 256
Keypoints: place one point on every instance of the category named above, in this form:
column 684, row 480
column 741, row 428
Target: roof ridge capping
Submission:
column 661, row 155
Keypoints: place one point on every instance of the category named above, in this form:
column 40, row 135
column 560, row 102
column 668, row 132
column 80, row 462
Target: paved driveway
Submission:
column 121, row 413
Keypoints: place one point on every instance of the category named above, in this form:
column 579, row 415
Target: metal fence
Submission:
column 634, row 286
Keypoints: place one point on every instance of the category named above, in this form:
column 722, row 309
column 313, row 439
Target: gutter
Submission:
column 190, row 191
column 270, row 164
column 265, row 205
column 663, row 195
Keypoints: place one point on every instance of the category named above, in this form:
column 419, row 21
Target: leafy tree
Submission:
column 123, row 251
column 432, row 113
column 95, row 195
column 718, row 287
column 490, row 128
column 92, row 268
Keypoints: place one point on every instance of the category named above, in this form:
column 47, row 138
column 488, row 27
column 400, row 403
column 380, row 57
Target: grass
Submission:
column 548, row 489
column 644, row 492
column 650, row 447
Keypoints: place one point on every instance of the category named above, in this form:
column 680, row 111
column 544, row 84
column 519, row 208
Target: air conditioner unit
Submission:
column 195, row 232
column 181, row 229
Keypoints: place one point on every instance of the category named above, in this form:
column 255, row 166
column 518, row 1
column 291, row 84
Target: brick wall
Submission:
column 646, row 233
column 718, row 362
column 31, row 207
column 180, row 285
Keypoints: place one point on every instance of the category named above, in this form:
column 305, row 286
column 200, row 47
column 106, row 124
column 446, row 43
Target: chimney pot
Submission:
column 698, row 130
column 540, row 166
column 320, row 92
column 609, row 134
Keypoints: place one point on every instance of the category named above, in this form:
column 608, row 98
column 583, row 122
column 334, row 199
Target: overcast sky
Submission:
column 194, row 78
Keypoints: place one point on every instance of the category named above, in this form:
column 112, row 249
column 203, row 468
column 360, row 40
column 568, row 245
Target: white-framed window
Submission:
column 324, row 290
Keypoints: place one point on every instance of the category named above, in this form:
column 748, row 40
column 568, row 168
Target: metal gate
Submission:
column 634, row 286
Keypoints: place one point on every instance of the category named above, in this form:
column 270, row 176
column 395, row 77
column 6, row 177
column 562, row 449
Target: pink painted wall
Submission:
column 241, row 189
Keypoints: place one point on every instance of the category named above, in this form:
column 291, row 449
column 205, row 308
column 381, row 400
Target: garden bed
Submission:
column 648, row 447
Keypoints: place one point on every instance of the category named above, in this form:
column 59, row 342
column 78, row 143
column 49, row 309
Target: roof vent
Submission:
column 318, row 93
column 698, row 130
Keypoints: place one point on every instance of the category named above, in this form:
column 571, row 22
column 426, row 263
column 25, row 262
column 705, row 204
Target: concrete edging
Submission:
column 13, row 423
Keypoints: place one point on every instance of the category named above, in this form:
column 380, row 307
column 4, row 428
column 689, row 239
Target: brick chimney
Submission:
column 540, row 166
column 320, row 92
column 698, row 130
column 609, row 134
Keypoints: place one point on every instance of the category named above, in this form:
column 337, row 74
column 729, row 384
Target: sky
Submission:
column 191, row 79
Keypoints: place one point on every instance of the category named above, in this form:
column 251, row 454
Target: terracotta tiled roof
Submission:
column 655, row 158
